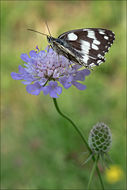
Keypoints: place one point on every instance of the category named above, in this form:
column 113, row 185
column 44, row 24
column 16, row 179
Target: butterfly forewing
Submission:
column 91, row 44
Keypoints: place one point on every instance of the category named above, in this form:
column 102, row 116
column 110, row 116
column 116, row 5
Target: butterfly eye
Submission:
column 49, row 39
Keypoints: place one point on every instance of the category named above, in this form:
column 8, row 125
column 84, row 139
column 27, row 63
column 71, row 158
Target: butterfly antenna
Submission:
column 47, row 27
column 37, row 32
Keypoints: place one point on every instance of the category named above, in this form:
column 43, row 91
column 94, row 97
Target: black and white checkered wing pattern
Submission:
column 91, row 44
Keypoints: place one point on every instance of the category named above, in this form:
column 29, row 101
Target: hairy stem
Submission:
column 80, row 134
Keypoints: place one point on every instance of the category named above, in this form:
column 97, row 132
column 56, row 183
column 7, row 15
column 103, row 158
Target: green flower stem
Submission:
column 92, row 172
column 80, row 134
column 76, row 128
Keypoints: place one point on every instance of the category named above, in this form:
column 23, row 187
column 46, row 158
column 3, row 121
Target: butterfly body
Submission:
column 85, row 47
column 61, row 47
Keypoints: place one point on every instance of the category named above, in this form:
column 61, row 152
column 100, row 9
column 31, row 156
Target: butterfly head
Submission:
column 50, row 39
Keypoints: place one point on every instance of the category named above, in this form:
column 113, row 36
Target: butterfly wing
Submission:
column 90, row 43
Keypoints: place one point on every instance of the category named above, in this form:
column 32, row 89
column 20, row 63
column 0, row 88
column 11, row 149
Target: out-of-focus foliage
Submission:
column 39, row 148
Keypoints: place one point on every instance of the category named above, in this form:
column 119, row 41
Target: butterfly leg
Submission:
column 89, row 67
column 48, row 48
column 58, row 58
column 70, row 63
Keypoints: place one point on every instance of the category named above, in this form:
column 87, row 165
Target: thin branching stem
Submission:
column 82, row 137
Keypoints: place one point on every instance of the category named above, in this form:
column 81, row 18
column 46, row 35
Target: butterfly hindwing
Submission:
column 89, row 45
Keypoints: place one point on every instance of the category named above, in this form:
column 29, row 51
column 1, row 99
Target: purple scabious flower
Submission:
column 44, row 70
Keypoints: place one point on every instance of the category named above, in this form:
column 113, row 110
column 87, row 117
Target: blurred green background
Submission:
column 40, row 150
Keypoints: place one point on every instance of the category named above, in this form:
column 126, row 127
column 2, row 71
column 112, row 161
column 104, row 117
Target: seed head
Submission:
column 100, row 138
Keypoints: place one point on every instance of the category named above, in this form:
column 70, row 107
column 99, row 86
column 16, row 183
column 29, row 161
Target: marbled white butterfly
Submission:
column 85, row 47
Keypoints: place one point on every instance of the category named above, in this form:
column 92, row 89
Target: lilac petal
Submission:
column 53, row 84
column 16, row 76
column 22, row 69
column 80, row 75
column 53, row 94
column 32, row 61
column 42, row 81
column 34, row 89
column 79, row 85
column 86, row 71
column 25, row 57
column 33, row 53
column 28, row 78
column 46, row 90
column 26, row 82
column 59, row 90
column 76, row 66
column 65, row 82
column 41, row 53
column 67, row 85
column 52, row 89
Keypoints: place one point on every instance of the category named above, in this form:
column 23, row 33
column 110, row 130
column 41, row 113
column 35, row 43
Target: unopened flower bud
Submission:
column 100, row 138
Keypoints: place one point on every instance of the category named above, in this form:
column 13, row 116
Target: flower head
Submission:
column 100, row 138
column 114, row 174
column 99, row 141
column 45, row 71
